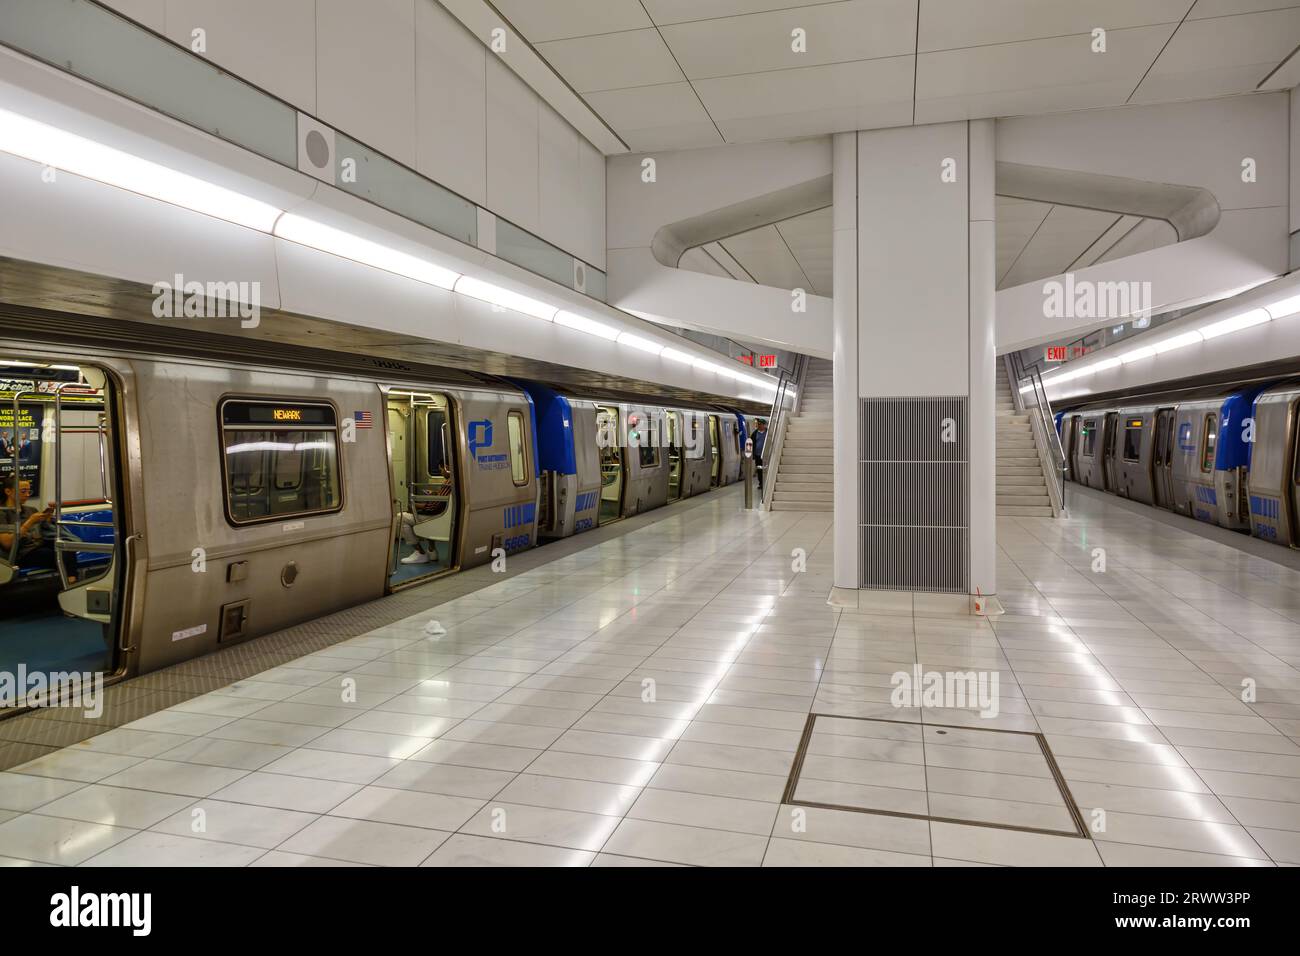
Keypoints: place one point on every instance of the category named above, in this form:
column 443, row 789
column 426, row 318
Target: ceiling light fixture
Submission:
column 309, row 232
column 75, row 154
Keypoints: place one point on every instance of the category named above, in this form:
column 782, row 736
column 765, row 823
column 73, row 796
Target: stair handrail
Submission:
column 789, row 390
column 1042, row 421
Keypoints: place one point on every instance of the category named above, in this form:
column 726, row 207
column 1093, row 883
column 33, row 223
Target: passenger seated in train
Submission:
column 421, row 547
column 35, row 534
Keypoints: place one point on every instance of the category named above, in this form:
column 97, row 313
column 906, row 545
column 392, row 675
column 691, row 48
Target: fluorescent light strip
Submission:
column 84, row 157
column 1137, row 354
column 583, row 324
column 505, row 298
column 637, row 342
column 1178, row 342
column 308, row 232
column 1235, row 323
column 50, row 146
column 1284, row 307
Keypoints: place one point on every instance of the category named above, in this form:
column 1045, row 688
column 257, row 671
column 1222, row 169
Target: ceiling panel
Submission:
column 679, row 11
column 1222, row 56
column 862, row 70
column 665, row 116
column 837, row 86
column 612, row 61
column 1223, row 8
column 541, row 20
column 767, row 258
column 1065, row 234
column 697, row 260
column 810, row 239
column 835, row 33
column 1017, row 221
column 952, row 24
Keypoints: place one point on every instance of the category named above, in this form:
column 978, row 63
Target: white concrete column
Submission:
column 844, row 311
column 924, row 304
column 982, row 408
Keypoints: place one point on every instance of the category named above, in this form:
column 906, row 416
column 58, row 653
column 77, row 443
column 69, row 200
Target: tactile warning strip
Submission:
column 1004, row 779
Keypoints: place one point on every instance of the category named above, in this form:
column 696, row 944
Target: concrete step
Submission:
column 806, row 506
column 1024, row 511
column 1009, row 470
column 1021, row 481
column 1020, row 501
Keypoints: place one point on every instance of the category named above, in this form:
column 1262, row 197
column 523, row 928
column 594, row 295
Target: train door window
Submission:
column 1133, row 439
column 1209, row 443
column 674, row 455
column 611, row 464
column 1089, row 437
column 422, row 465
column 518, row 452
column 647, row 441
column 281, row 459
column 61, row 568
column 715, row 445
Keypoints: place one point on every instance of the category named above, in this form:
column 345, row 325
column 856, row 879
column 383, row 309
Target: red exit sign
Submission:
column 767, row 361
column 747, row 359
column 1055, row 353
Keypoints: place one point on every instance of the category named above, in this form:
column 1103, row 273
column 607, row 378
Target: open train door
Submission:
column 422, row 467
column 62, row 561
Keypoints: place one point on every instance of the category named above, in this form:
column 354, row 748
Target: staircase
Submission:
column 804, row 473
column 1021, row 486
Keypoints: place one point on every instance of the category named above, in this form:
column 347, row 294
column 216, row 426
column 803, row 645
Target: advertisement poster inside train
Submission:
column 20, row 443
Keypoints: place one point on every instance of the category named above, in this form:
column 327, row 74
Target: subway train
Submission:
column 1226, row 456
column 164, row 502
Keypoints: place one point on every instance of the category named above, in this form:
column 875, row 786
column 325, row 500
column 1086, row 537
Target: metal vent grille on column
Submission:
column 915, row 505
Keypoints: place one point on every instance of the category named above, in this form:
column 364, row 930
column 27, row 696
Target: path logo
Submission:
column 480, row 436
column 1085, row 299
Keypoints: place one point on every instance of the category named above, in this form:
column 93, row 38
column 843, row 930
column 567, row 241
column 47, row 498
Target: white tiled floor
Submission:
column 521, row 736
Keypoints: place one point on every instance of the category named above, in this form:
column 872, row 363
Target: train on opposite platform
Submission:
column 163, row 501
column 1227, row 456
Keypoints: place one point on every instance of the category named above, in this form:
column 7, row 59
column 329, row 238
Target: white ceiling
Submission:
column 670, row 74
column 1034, row 240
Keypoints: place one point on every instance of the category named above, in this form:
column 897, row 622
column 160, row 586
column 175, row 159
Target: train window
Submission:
column 1133, row 439
column 518, row 456
column 281, row 459
column 436, row 425
column 649, row 443
column 1089, row 436
column 1211, row 440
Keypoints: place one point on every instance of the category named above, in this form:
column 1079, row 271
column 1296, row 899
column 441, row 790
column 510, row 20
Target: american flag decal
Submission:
column 363, row 419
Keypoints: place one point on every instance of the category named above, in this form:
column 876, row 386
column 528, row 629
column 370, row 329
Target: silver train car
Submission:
column 278, row 495
column 1227, row 458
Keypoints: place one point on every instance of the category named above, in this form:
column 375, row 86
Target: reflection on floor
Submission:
column 642, row 702
column 49, row 641
column 439, row 555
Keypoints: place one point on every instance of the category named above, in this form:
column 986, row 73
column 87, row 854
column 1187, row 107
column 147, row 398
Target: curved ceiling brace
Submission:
column 672, row 241
column 1192, row 211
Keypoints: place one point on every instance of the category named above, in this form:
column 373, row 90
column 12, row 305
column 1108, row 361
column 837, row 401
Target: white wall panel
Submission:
column 450, row 102
column 900, row 303
column 270, row 44
column 151, row 13
column 591, row 235
column 512, row 150
column 559, row 179
column 365, row 56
